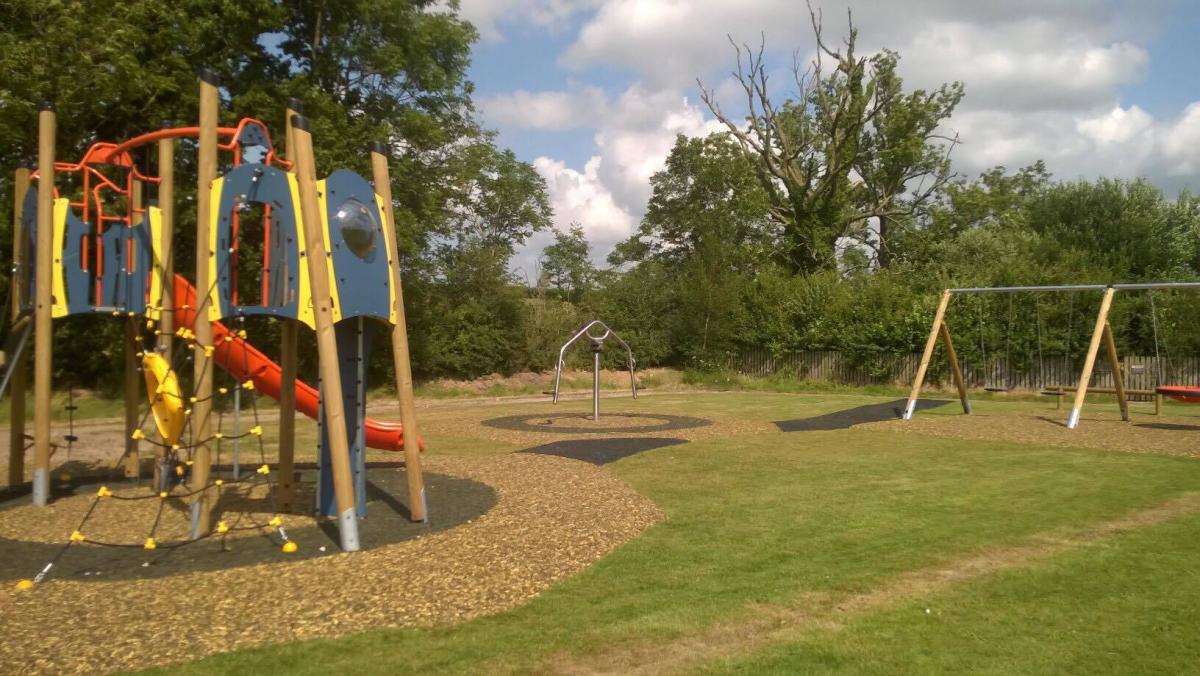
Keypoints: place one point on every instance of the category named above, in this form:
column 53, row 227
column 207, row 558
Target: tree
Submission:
column 852, row 147
column 567, row 263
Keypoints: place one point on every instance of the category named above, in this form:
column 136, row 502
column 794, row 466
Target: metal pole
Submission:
column 203, row 369
column 401, row 356
column 43, row 320
column 596, row 346
column 18, row 286
column 331, row 382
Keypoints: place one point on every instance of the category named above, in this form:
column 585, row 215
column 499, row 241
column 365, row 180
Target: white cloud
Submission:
column 549, row 111
column 488, row 15
column 580, row 197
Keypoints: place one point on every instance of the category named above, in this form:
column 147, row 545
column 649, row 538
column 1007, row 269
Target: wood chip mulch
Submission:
column 1144, row 434
column 553, row 518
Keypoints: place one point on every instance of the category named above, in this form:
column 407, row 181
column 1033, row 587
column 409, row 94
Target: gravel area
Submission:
column 553, row 518
column 1145, row 434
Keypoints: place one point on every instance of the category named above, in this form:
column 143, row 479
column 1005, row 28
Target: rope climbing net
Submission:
column 175, row 457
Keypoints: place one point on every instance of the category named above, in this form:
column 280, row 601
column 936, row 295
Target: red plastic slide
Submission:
column 243, row 361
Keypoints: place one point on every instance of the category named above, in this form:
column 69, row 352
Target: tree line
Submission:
column 826, row 219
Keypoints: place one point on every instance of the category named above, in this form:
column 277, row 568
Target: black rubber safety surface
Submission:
column 580, row 423
column 840, row 420
column 451, row 500
column 603, row 451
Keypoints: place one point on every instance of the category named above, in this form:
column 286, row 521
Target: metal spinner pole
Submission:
column 597, row 346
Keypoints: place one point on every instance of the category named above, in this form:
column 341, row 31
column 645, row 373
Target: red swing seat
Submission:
column 1184, row 393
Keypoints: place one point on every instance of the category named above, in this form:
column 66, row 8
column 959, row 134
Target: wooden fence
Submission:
column 835, row 367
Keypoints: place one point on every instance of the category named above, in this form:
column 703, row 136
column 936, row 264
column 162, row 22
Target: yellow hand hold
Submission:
column 289, row 547
column 256, row 430
column 103, row 492
column 241, row 333
column 219, row 482
column 222, row 527
column 76, row 536
column 22, row 585
column 163, row 495
column 138, row 434
column 276, row 522
column 179, row 470
column 264, row 470
column 223, row 390
column 248, row 385
column 208, row 350
column 150, row 544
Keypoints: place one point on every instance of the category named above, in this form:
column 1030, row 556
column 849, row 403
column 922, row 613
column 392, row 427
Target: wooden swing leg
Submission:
column 1089, row 361
column 930, row 342
column 1110, row 347
column 955, row 369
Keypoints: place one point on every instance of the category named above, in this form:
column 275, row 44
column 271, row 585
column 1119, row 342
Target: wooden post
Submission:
column 400, row 353
column 1114, row 363
column 289, row 330
column 1158, row 400
column 938, row 317
column 133, row 388
column 165, row 342
column 166, row 257
column 1090, row 361
column 202, row 387
column 331, row 379
column 43, row 322
column 955, row 368
column 16, row 383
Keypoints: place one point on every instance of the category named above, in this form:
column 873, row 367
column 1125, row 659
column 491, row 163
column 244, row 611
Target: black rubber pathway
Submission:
column 840, row 420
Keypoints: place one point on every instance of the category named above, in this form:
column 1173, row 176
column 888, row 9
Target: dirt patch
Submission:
column 1162, row 436
column 572, row 380
column 553, row 517
column 766, row 624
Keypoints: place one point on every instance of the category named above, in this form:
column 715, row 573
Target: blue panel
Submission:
column 77, row 280
column 359, row 253
column 265, row 185
column 352, row 356
column 123, row 282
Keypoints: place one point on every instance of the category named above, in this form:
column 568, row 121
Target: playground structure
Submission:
column 87, row 241
column 1101, row 335
column 597, row 342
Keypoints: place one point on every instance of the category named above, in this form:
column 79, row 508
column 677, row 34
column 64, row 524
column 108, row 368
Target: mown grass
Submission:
column 771, row 517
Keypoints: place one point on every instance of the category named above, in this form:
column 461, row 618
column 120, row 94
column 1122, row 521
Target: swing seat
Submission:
column 995, row 389
column 1184, row 393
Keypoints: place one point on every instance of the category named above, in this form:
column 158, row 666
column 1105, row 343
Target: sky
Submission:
column 593, row 92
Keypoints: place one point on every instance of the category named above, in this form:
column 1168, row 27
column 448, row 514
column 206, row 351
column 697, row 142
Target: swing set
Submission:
column 1102, row 335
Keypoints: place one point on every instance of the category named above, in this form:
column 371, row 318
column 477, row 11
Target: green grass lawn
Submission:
column 770, row 520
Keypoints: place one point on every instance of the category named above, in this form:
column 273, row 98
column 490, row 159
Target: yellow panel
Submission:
column 155, row 300
column 335, row 298
column 57, row 285
column 389, row 233
column 304, row 303
column 214, row 293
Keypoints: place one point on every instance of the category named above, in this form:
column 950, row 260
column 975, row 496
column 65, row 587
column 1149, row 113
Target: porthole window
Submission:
column 359, row 227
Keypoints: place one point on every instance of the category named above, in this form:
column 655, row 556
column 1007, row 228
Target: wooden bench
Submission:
column 1060, row 391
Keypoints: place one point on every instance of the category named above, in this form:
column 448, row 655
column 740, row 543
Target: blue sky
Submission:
column 592, row 92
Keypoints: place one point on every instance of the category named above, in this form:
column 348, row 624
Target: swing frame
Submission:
column 1101, row 335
